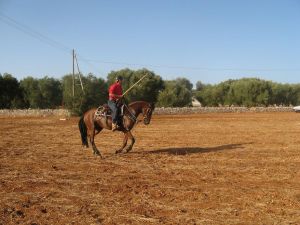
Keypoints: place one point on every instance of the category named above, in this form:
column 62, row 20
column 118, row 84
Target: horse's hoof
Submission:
column 118, row 151
column 96, row 153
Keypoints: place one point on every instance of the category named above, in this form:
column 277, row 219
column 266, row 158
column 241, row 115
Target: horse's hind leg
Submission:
column 92, row 140
column 124, row 143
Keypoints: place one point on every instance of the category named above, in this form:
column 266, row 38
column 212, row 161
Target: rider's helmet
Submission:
column 119, row 78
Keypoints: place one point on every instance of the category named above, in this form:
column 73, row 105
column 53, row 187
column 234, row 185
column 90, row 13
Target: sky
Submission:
column 202, row 40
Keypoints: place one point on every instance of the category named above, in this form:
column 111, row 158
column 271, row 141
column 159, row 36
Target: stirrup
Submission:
column 114, row 127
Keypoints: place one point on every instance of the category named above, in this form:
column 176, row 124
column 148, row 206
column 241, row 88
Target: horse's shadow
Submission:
column 195, row 150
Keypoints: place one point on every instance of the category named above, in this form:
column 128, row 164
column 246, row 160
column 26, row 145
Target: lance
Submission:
column 134, row 85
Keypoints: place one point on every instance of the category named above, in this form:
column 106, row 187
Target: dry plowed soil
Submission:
column 218, row 168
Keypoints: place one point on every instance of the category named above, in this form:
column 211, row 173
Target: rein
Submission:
column 131, row 116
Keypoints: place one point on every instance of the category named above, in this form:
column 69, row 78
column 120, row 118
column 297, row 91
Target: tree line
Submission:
column 248, row 92
column 48, row 92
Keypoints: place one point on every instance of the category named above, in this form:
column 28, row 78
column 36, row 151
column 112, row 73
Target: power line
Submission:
column 41, row 37
column 55, row 44
column 37, row 35
column 193, row 68
column 80, row 58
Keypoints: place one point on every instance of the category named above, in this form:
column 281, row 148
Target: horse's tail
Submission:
column 83, row 132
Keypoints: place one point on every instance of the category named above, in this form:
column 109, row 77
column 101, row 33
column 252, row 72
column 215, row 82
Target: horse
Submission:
column 90, row 124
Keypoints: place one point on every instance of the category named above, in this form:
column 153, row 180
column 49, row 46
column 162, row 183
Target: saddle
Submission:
column 102, row 111
column 105, row 111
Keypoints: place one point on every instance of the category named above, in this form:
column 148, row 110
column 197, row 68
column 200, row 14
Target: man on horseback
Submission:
column 115, row 94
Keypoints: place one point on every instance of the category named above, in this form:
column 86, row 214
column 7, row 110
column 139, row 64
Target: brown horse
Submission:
column 90, row 125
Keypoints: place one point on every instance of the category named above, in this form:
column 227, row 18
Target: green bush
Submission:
column 177, row 93
column 94, row 93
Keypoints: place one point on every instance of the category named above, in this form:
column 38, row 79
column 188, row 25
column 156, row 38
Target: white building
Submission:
column 297, row 108
column 195, row 102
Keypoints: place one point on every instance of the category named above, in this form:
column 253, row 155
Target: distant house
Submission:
column 195, row 102
column 297, row 108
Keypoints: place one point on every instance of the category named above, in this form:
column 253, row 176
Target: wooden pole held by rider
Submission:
column 134, row 85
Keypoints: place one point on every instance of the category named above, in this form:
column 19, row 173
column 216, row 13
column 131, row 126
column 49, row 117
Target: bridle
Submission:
column 147, row 114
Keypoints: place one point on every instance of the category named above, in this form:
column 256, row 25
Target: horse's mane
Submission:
column 137, row 102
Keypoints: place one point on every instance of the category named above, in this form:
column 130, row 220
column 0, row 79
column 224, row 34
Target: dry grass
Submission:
column 197, row 169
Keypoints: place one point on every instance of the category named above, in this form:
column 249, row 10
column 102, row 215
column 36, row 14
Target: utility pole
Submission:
column 73, row 77
column 79, row 74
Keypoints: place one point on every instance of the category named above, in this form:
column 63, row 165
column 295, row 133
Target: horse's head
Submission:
column 147, row 112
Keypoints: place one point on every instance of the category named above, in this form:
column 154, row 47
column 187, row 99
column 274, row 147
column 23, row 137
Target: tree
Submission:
column 205, row 95
column 249, row 92
column 51, row 92
column 296, row 91
column 242, row 92
column 95, row 93
column 177, row 93
column 214, row 95
column 184, row 82
column 32, row 93
column 285, row 94
column 10, row 92
column 200, row 86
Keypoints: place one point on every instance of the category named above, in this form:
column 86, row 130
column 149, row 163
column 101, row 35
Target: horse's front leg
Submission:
column 124, row 143
column 130, row 136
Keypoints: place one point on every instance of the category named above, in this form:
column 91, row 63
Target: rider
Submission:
column 115, row 94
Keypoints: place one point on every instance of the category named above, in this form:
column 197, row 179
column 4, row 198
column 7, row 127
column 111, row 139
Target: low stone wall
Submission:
column 193, row 110
column 158, row 111
column 35, row 112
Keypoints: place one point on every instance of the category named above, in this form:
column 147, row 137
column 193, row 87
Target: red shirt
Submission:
column 116, row 89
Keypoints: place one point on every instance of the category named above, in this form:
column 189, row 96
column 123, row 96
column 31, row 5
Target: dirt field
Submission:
column 234, row 168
